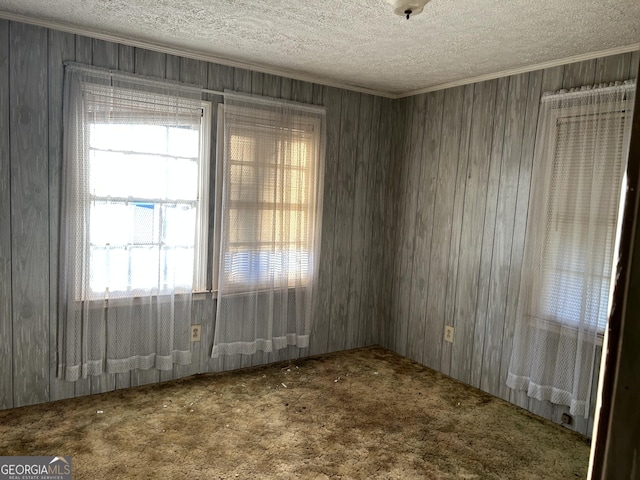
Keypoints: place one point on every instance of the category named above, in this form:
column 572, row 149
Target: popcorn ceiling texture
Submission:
column 361, row 42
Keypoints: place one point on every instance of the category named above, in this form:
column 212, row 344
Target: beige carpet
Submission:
column 361, row 414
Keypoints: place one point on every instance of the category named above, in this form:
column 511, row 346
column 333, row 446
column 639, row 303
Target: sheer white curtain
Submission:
column 580, row 158
column 269, row 218
column 128, row 223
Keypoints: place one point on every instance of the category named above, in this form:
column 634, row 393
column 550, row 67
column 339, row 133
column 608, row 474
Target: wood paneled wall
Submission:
column 31, row 85
column 457, row 213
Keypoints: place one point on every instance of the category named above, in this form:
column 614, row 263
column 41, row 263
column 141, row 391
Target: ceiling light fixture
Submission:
column 407, row 7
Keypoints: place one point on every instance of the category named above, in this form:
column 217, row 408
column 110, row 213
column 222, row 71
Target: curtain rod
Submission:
column 213, row 92
column 601, row 88
column 152, row 81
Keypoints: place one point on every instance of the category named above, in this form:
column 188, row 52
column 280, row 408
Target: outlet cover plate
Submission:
column 195, row 332
column 448, row 334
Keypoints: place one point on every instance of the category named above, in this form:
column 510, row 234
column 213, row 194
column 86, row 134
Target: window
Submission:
column 269, row 202
column 576, row 251
column 582, row 143
column 147, row 180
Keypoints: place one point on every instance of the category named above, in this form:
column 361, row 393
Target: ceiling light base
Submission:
column 407, row 8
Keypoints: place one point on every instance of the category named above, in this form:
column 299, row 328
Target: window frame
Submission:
column 556, row 115
column 200, row 251
column 242, row 288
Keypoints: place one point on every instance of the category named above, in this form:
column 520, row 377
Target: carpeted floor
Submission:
column 365, row 413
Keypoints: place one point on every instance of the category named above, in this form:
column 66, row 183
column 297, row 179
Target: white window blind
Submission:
column 269, row 206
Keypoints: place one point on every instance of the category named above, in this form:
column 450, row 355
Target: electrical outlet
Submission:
column 448, row 334
column 195, row 332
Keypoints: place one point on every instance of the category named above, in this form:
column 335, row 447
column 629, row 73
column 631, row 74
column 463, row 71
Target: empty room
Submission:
column 368, row 239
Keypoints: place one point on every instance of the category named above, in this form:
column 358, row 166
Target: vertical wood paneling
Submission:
column 6, row 327
column 442, row 227
column 407, row 238
column 471, row 235
column 301, row 91
column 425, row 211
column 206, row 363
column 579, row 74
column 395, row 201
column 84, row 49
column 379, row 295
column 126, row 58
column 367, row 334
column 149, row 63
column 285, row 88
column 318, row 94
column 105, row 54
column 360, row 225
column 507, row 148
column 61, row 49
column 319, row 341
column 511, row 153
column 29, row 213
column 456, row 224
column 340, row 322
column 257, row 80
column 610, row 69
column 172, row 67
column 242, row 80
column 489, row 233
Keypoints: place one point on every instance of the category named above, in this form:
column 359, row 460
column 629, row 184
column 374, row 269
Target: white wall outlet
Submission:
column 448, row 334
column 195, row 332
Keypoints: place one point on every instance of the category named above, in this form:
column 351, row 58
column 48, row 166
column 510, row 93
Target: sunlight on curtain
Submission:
column 580, row 159
column 130, row 214
column 269, row 223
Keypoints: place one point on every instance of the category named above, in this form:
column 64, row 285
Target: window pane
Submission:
column 183, row 142
column 177, row 267
column 145, row 267
column 133, row 169
column 129, row 137
column 179, row 226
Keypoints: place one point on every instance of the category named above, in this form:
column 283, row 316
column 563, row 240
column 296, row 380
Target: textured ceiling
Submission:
column 359, row 42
